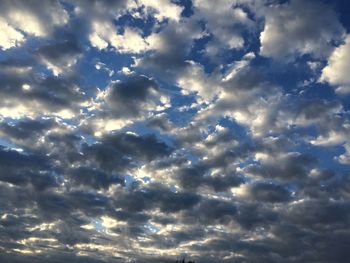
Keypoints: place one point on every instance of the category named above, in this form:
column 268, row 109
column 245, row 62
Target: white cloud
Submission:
column 331, row 139
column 163, row 8
column 17, row 109
column 196, row 80
column 345, row 157
column 32, row 18
column 104, row 33
column 247, row 99
column 337, row 71
column 224, row 22
column 301, row 27
column 124, row 103
column 59, row 68
column 9, row 37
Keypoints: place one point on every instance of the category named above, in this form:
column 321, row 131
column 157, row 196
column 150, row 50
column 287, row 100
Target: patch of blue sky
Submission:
column 93, row 77
column 145, row 24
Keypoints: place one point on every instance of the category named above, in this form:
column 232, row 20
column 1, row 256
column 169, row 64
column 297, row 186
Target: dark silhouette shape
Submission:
column 183, row 261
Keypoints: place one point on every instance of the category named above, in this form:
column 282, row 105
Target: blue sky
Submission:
column 151, row 130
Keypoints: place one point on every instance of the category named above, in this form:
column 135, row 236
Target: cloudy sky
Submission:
column 150, row 130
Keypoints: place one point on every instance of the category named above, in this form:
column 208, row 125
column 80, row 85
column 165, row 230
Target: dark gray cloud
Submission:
column 26, row 129
column 94, row 178
column 24, row 92
column 194, row 177
column 211, row 212
column 59, row 57
column 21, row 169
column 129, row 98
column 118, row 151
column 291, row 166
column 269, row 192
column 171, row 48
column 157, row 196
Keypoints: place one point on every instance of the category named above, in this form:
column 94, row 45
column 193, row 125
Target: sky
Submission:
column 151, row 130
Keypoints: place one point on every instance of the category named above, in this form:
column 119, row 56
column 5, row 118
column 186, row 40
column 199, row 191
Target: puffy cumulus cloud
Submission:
column 171, row 46
column 31, row 18
column 244, row 95
column 329, row 119
column 161, row 122
column 124, row 102
column 225, row 22
column 99, row 16
column 59, row 57
column 335, row 72
column 91, row 177
column 27, row 94
column 297, row 28
column 33, row 169
column 136, row 94
column 10, row 36
column 317, row 111
column 200, row 176
column 269, row 192
column 194, row 79
column 211, row 212
column 248, row 99
column 158, row 197
column 286, row 166
column 345, row 157
column 104, row 34
column 29, row 133
column 208, row 87
column 116, row 152
column 98, row 8
column 163, row 9
column 215, row 168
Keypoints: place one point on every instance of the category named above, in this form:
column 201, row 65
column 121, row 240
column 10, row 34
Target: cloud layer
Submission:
column 147, row 131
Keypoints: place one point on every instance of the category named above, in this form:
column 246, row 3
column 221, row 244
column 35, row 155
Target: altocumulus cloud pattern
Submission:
column 154, row 130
